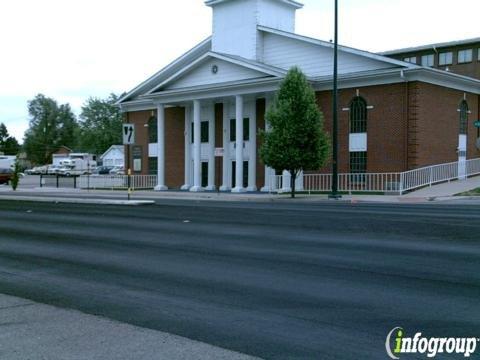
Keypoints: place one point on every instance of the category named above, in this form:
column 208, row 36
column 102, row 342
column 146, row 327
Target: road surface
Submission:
column 278, row 281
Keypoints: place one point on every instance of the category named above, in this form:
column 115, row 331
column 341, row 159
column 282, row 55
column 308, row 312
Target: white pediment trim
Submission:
column 263, row 69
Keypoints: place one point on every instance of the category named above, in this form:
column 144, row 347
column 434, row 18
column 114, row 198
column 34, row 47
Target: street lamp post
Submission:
column 334, row 194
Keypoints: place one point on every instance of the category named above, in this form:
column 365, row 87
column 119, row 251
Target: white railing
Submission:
column 117, row 182
column 380, row 182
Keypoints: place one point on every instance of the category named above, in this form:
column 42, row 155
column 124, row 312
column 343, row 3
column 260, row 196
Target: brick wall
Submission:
column 139, row 119
column 174, row 142
column 438, row 123
column 411, row 125
column 471, row 69
column 387, row 126
column 174, row 147
column 260, row 108
column 218, row 144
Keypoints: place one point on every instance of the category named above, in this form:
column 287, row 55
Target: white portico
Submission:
column 225, row 69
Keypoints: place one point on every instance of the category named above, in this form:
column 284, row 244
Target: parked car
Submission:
column 103, row 170
column 117, row 170
column 53, row 170
column 37, row 170
column 5, row 176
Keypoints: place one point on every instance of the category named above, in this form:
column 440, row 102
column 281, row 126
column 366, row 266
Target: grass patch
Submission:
column 474, row 192
column 329, row 192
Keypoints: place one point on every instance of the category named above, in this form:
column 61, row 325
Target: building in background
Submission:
column 197, row 120
column 62, row 154
column 460, row 57
column 114, row 156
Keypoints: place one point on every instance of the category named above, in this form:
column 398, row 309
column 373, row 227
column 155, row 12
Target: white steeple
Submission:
column 235, row 23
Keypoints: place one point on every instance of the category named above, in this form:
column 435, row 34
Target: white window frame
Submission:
column 465, row 56
column 448, row 58
column 428, row 60
column 410, row 59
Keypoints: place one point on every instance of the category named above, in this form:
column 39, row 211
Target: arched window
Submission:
column 358, row 115
column 463, row 117
column 152, row 130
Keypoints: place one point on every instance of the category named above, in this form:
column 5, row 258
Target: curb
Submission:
column 58, row 200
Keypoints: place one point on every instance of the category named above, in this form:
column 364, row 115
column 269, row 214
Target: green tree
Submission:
column 100, row 125
column 16, row 175
column 51, row 126
column 296, row 141
column 8, row 144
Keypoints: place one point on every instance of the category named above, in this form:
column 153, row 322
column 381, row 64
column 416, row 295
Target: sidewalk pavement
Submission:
column 440, row 192
column 35, row 331
column 447, row 189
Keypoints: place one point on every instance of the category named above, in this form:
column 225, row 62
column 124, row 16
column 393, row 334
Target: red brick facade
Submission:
column 410, row 125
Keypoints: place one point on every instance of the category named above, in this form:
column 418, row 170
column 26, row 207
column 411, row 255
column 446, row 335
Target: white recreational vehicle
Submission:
column 77, row 164
column 7, row 162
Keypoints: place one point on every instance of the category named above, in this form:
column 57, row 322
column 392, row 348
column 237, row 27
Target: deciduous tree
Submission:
column 100, row 125
column 51, row 126
column 8, row 144
column 296, row 140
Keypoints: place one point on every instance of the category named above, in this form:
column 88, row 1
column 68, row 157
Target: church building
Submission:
column 197, row 120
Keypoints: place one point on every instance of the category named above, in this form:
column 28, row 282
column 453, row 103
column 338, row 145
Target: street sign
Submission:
column 477, row 123
column 128, row 134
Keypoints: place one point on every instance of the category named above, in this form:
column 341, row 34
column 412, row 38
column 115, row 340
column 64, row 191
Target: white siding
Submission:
column 314, row 60
column 113, row 157
column 235, row 24
column 235, row 28
column 276, row 15
column 202, row 75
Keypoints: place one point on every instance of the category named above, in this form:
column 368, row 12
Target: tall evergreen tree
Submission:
column 51, row 126
column 296, row 141
column 100, row 125
column 8, row 144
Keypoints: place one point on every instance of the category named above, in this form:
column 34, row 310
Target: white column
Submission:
column 269, row 172
column 211, row 147
column 161, row 148
column 286, row 181
column 239, row 145
column 252, row 160
column 188, row 153
column 197, row 165
column 226, row 180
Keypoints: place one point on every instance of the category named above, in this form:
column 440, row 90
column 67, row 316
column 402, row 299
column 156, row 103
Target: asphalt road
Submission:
column 279, row 281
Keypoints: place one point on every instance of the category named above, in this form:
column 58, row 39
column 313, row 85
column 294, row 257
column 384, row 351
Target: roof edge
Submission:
column 431, row 46
column 293, row 3
column 347, row 49
column 171, row 65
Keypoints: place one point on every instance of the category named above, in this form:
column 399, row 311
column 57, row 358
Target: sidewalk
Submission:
column 447, row 189
column 35, row 331
column 441, row 192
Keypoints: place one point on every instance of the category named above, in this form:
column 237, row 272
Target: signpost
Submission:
column 128, row 134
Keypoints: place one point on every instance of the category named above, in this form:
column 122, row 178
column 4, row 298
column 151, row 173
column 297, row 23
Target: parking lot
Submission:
column 26, row 182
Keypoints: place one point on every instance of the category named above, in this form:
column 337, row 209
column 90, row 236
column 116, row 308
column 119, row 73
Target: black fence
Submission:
column 58, row 181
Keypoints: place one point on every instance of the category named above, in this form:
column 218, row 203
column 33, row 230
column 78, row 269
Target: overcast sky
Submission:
column 71, row 49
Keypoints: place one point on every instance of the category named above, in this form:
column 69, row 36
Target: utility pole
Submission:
column 334, row 194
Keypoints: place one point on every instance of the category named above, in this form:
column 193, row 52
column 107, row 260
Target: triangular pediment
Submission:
column 214, row 68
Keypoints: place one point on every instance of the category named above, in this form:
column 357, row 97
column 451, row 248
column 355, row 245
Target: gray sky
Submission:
column 71, row 49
